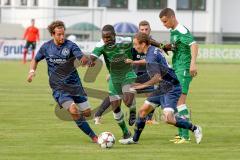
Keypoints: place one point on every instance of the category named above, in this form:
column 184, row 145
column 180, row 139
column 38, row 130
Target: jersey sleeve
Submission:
column 153, row 65
column 37, row 35
column 25, row 33
column 40, row 54
column 77, row 51
column 97, row 51
column 187, row 39
column 158, row 64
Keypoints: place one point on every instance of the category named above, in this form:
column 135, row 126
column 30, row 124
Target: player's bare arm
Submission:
column 33, row 67
column 193, row 66
column 155, row 79
column 87, row 60
column 139, row 62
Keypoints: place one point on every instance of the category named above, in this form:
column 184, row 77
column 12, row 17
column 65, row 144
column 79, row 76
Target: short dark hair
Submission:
column 143, row 23
column 142, row 38
column 55, row 24
column 168, row 12
column 109, row 28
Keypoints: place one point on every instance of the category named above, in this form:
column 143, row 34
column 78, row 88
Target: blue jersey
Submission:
column 139, row 69
column 63, row 75
column 157, row 64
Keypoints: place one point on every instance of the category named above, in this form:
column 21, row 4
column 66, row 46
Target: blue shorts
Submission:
column 61, row 97
column 167, row 100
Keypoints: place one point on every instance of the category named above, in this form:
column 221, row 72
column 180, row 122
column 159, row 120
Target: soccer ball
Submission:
column 106, row 140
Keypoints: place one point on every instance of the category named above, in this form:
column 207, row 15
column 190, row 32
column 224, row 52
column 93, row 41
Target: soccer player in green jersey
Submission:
column 140, row 70
column 115, row 52
column 184, row 62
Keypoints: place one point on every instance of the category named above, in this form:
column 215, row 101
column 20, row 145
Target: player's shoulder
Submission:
column 154, row 50
column 47, row 43
column 181, row 29
column 156, row 53
column 99, row 44
column 69, row 43
column 35, row 28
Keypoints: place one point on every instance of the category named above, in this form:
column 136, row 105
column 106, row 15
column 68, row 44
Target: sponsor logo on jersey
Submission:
column 65, row 52
column 57, row 60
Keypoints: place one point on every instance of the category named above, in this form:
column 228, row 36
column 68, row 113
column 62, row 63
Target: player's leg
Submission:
column 168, row 117
column 101, row 109
column 185, row 79
column 119, row 117
column 142, row 78
column 150, row 104
column 33, row 49
column 115, row 99
column 169, row 103
column 25, row 51
column 78, row 111
column 141, row 120
column 140, row 123
column 130, row 102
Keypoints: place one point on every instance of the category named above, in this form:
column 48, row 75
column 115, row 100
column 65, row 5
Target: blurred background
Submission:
column 212, row 22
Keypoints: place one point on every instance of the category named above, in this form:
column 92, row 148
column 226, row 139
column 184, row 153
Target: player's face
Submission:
column 108, row 37
column 145, row 29
column 138, row 47
column 168, row 22
column 59, row 35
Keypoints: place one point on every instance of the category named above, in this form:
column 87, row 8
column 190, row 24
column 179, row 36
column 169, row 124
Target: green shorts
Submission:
column 116, row 88
column 119, row 84
column 185, row 79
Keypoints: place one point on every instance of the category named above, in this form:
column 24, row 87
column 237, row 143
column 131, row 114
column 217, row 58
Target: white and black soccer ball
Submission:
column 106, row 140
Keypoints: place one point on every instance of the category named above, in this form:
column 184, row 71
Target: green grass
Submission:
column 29, row 129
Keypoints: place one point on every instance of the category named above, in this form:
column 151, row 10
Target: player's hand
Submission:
column 193, row 70
column 84, row 60
column 31, row 74
column 91, row 64
column 128, row 61
column 167, row 47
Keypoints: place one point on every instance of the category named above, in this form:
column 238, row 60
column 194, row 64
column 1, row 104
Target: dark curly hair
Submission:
column 55, row 24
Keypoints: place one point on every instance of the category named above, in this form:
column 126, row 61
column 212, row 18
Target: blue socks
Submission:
column 183, row 123
column 139, row 126
column 84, row 126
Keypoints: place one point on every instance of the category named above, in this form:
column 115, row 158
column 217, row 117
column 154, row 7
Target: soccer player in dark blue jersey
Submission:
column 166, row 95
column 61, row 55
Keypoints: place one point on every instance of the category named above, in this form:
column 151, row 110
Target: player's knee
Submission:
column 73, row 109
column 142, row 113
column 128, row 99
column 115, row 104
column 128, row 102
column 168, row 118
column 87, row 112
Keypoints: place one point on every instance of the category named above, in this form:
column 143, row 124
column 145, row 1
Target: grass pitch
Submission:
column 29, row 129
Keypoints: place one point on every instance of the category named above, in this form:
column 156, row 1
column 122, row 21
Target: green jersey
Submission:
column 182, row 39
column 115, row 57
